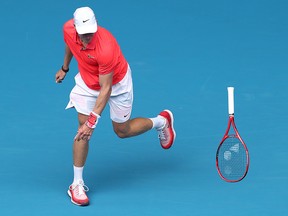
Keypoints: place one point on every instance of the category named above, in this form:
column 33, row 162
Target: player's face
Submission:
column 86, row 38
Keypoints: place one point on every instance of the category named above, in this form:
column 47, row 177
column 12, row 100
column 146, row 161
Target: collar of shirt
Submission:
column 90, row 46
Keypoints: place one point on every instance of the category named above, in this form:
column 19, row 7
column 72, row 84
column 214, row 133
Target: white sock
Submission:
column 158, row 121
column 78, row 174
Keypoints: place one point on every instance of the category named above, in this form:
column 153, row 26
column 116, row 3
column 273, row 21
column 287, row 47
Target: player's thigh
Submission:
column 82, row 118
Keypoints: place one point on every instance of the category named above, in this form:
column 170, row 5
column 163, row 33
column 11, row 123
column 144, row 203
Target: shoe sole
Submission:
column 172, row 125
column 70, row 195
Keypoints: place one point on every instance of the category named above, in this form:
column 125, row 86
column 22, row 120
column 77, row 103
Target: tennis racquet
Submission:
column 232, row 156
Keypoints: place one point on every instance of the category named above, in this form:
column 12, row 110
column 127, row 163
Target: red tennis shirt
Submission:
column 101, row 56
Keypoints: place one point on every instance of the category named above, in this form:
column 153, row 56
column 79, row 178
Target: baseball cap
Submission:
column 85, row 21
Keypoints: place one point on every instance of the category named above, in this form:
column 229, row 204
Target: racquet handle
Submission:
column 230, row 100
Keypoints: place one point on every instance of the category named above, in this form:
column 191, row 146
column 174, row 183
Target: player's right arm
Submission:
column 60, row 75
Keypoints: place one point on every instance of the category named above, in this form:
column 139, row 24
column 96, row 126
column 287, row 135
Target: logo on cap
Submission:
column 84, row 21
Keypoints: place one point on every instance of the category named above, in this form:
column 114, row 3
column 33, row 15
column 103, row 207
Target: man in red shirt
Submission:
column 104, row 77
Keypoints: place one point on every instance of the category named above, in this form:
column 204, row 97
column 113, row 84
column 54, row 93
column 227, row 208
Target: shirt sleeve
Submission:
column 106, row 64
column 109, row 56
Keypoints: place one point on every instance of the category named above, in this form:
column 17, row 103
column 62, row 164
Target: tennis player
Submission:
column 104, row 77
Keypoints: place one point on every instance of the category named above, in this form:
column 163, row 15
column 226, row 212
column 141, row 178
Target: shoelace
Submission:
column 161, row 134
column 80, row 188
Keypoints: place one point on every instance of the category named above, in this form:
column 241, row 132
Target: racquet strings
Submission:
column 232, row 160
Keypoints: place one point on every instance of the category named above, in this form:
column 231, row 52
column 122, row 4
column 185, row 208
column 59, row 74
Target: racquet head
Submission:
column 232, row 159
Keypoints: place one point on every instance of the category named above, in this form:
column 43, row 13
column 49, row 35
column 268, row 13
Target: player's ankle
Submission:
column 158, row 122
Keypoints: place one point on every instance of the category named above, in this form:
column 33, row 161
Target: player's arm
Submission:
column 85, row 132
column 105, row 82
column 67, row 57
column 60, row 75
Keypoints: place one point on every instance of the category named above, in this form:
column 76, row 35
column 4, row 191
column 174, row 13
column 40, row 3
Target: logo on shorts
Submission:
column 126, row 115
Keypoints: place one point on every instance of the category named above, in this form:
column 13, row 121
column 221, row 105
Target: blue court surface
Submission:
column 183, row 54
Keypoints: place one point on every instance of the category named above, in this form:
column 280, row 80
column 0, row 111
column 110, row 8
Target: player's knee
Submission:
column 121, row 133
column 121, row 130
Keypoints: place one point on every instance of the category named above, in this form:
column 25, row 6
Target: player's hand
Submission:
column 86, row 130
column 84, row 133
column 60, row 75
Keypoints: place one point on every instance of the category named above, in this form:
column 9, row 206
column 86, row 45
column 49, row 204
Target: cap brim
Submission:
column 86, row 29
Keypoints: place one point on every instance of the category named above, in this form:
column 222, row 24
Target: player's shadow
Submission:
column 125, row 173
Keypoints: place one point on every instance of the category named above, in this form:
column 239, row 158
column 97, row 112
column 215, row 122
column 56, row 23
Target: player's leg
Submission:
column 120, row 112
column 120, row 104
column 81, row 147
column 121, row 108
column 80, row 151
column 163, row 123
column 81, row 100
column 132, row 127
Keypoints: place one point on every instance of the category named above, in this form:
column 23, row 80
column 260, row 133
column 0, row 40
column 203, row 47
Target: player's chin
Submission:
column 87, row 41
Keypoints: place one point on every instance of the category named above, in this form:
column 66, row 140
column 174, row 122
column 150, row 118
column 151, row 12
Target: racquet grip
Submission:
column 230, row 100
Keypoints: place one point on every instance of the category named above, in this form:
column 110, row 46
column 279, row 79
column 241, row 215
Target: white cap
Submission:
column 85, row 21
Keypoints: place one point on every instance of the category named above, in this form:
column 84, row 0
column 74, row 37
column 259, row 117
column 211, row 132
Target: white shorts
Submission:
column 83, row 99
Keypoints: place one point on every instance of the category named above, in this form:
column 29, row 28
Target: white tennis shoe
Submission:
column 77, row 193
column 167, row 133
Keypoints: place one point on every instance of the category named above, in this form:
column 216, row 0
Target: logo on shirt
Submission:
column 90, row 56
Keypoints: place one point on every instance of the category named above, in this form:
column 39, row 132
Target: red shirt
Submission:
column 101, row 56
